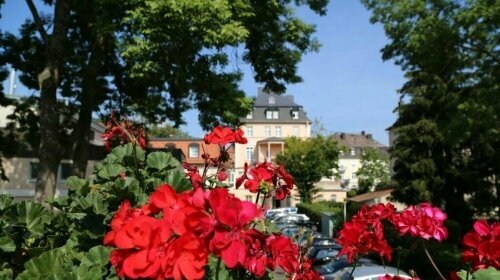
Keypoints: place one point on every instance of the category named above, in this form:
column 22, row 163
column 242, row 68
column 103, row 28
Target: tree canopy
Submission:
column 447, row 145
column 155, row 59
column 374, row 170
column 308, row 160
column 166, row 131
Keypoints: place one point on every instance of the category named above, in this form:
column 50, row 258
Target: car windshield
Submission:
column 326, row 253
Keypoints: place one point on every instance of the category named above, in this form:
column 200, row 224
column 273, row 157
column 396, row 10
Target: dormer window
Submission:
column 250, row 115
column 295, row 115
column 272, row 100
column 272, row 114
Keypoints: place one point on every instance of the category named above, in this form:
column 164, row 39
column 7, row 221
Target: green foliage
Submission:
column 153, row 60
column 308, row 160
column 64, row 243
column 314, row 210
column 447, row 132
column 481, row 274
column 166, row 131
column 374, row 170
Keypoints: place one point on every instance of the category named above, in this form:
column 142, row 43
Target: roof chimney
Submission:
column 363, row 133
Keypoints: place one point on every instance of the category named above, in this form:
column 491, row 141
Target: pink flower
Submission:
column 422, row 221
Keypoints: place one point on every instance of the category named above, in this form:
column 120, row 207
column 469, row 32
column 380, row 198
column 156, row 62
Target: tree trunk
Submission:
column 50, row 151
column 82, row 130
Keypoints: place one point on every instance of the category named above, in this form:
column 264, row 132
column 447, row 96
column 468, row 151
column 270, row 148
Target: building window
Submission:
column 249, row 131
column 249, row 152
column 295, row 115
column 296, row 131
column 277, row 131
column 341, row 169
column 250, row 115
column 272, row 114
column 231, row 177
column 64, row 170
column 267, row 131
column 353, row 152
column 272, row 100
column 248, row 198
column 33, row 172
column 333, row 197
column 320, row 197
column 194, row 150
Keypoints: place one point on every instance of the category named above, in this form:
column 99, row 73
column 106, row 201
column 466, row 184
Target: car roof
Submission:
column 374, row 270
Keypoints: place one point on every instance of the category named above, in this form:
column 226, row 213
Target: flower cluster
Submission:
column 267, row 179
column 117, row 133
column 482, row 245
column 422, row 221
column 172, row 236
column 225, row 135
column 364, row 233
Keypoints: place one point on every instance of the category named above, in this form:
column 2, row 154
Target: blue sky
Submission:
column 346, row 84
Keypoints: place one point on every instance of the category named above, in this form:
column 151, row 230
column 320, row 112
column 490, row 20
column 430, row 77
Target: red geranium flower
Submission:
column 187, row 257
column 233, row 216
column 283, row 252
column 422, row 221
column 224, row 135
column 482, row 245
column 358, row 237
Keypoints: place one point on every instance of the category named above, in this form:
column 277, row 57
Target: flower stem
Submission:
column 353, row 268
column 383, row 263
column 257, row 199
column 217, row 269
column 432, row 261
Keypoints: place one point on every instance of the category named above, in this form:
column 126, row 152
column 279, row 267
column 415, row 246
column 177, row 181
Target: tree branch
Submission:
column 38, row 20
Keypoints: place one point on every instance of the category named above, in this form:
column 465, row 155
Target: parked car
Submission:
column 290, row 231
column 369, row 272
column 291, row 218
column 290, row 210
column 328, row 270
column 323, row 241
column 323, row 254
column 271, row 212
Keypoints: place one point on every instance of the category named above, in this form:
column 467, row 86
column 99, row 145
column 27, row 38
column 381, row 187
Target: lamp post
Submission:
column 345, row 209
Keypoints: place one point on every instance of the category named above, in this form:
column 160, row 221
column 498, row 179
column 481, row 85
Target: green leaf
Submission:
column 162, row 160
column 33, row 215
column 486, row 274
column 98, row 255
column 99, row 205
column 178, row 181
column 7, row 244
column 5, row 201
column 213, row 262
column 53, row 264
column 110, row 171
column 118, row 153
column 78, row 185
